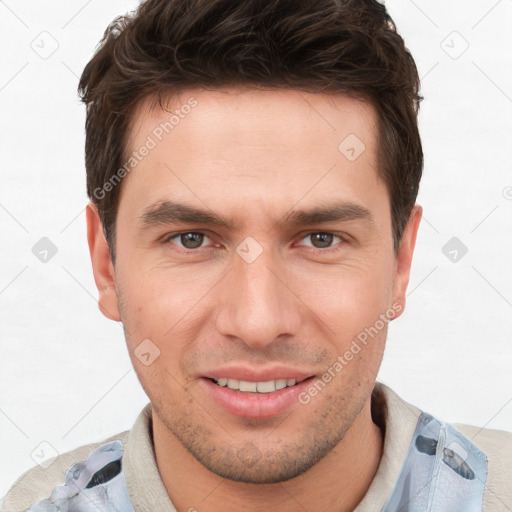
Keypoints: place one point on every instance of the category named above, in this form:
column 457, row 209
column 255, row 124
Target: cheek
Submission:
column 352, row 306
column 158, row 306
column 149, row 294
column 354, row 293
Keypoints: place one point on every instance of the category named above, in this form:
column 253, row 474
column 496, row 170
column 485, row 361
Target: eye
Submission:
column 323, row 240
column 192, row 240
column 189, row 240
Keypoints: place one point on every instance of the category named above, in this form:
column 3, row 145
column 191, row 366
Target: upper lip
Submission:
column 251, row 374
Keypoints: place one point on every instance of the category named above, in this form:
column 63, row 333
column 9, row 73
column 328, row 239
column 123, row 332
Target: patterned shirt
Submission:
column 427, row 465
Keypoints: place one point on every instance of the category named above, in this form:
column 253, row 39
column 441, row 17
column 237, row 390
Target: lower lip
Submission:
column 252, row 405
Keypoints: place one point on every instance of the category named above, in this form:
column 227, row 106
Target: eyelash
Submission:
column 341, row 236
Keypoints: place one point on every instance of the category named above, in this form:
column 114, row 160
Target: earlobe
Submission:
column 103, row 269
column 404, row 257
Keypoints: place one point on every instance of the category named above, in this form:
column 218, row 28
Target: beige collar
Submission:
column 396, row 418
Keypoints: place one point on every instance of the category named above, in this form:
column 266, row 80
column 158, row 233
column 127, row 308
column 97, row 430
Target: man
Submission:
column 253, row 169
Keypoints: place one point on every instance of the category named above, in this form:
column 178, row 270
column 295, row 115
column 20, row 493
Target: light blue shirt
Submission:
column 443, row 472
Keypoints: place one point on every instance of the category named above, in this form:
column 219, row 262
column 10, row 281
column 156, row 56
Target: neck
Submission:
column 337, row 482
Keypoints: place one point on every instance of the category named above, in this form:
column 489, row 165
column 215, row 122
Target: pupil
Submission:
column 189, row 237
column 322, row 237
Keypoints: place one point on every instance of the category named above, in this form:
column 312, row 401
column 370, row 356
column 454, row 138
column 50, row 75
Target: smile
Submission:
column 255, row 387
column 254, row 399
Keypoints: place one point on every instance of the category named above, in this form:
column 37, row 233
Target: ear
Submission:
column 103, row 269
column 404, row 257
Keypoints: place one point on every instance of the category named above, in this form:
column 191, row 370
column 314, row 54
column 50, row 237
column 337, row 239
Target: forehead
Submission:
column 255, row 147
column 228, row 109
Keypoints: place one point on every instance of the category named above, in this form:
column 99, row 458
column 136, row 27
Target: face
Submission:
column 291, row 262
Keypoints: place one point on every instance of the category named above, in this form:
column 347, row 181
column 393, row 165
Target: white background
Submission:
column 65, row 374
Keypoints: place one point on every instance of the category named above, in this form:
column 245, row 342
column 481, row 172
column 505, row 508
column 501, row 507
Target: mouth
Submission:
column 255, row 398
column 262, row 387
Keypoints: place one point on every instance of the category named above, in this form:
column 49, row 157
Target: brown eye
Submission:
column 322, row 240
column 187, row 240
column 191, row 240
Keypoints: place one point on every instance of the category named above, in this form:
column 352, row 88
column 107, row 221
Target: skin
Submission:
column 253, row 156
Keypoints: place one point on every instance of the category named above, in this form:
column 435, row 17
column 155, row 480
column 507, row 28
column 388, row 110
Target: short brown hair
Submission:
column 339, row 46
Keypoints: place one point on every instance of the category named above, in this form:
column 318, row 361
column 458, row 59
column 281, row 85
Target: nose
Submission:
column 257, row 305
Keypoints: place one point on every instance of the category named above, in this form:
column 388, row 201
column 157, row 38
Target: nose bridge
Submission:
column 258, row 306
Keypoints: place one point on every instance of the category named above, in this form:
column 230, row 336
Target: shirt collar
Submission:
column 396, row 418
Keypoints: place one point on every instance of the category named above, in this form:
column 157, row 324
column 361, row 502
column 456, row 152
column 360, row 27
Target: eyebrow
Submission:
column 165, row 212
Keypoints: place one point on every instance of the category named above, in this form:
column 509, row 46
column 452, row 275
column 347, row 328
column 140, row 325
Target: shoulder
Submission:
column 497, row 447
column 456, row 450
column 38, row 482
column 497, row 442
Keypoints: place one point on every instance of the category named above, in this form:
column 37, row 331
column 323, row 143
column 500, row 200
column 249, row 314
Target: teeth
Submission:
column 280, row 383
column 233, row 384
column 266, row 387
column 247, row 386
column 255, row 387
